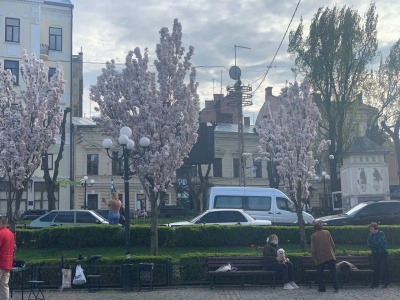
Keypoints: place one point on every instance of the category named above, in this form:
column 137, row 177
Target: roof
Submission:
column 363, row 145
column 59, row 2
column 78, row 121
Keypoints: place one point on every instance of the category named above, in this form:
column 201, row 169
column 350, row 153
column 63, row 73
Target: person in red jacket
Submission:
column 6, row 257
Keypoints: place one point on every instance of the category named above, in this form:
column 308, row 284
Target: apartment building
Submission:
column 43, row 28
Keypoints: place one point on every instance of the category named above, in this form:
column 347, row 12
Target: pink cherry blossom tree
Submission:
column 286, row 138
column 29, row 120
column 163, row 106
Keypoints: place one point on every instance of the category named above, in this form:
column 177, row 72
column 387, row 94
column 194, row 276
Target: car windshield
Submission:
column 198, row 217
column 355, row 209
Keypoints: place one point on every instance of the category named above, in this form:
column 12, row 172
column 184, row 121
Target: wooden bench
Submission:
column 362, row 263
column 246, row 266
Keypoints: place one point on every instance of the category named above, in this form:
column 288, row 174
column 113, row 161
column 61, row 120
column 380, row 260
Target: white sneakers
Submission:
column 290, row 286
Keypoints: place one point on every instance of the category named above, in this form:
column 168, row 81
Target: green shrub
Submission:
column 187, row 236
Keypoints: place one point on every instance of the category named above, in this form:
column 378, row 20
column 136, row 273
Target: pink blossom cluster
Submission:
column 163, row 106
column 287, row 136
column 29, row 118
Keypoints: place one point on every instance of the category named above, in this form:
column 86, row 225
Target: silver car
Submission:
column 68, row 218
column 222, row 217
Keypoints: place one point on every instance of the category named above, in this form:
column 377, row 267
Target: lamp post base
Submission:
column 127, row 277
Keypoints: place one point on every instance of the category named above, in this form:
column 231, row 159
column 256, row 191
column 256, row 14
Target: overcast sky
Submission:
column 107, row 30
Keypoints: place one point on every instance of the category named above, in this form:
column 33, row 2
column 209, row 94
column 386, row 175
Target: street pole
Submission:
column 128, row 153
column 85, row 184
column 127, row 209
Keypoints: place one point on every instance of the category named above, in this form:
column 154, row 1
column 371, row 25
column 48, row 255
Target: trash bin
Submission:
column 127, row 277
column 146, row 274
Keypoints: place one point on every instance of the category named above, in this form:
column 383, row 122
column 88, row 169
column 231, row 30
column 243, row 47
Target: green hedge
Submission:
column 188, row 236
column 89, row 236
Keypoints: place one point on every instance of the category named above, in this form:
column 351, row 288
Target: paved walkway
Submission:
column 224, row 293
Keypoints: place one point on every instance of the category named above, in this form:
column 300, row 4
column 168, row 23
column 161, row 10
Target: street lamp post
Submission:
column 324, row 178
column 85, row 184
column 128, row 154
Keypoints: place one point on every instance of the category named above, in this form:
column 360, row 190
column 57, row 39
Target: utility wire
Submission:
column 276, row 53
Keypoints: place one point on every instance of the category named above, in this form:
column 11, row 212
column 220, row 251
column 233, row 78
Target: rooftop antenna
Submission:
column 239, row 95
column 213, row 85
column 221, row 82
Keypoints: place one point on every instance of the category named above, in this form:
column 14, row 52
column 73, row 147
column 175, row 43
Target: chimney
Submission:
column 247, row 121
column 268, row 92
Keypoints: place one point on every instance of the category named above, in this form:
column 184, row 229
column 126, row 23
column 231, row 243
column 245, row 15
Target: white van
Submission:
column 260, row 203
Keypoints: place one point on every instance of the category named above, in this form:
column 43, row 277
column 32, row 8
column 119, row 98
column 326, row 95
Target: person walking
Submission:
column 274, row 263
column 114, row 206
column 379, row 252
column 6, row 257
column 323, row 253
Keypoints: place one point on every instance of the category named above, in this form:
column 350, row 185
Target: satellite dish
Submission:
column 234, row 72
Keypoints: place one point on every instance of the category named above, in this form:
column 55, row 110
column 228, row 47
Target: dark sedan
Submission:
column 32, row 214
column 381, row 212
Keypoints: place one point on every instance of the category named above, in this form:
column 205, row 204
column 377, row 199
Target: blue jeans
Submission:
column 113, row 218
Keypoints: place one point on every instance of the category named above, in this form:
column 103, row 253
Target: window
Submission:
column 217, row 167
column 258, row 203
column 13, row 66
column 41, row 197
column 284, row 204
column 12, row 30
column 228, row 202
column 235, row 167
column 85, row 217
column 49, row 162
column 231, row 217
column 209, row 218
column 65, row 217
column 49, row 217
column 92, row 164
column 92, row 201
column 257, row 168
column 116, row 167
column 55, row 39
column 52, row 71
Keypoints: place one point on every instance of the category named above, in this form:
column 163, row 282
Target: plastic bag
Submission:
column 224, row 268
column 66, row 278
column 79, row 278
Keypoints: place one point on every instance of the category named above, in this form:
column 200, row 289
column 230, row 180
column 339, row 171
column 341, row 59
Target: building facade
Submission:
column 45, row 29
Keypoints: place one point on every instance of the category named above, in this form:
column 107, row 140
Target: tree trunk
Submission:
column 51, row 182
column 300, row 220
column 154, row 222
column 394, row 134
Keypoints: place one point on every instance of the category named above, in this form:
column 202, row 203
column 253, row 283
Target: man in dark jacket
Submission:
column 6, row 257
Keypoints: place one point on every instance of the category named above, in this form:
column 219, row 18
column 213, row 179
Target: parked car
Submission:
column 32, row 214
column 68, row 218
column 381, row 212
column 102, row 212
column 222, row 217
column 260, row 203
column 169, row 210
